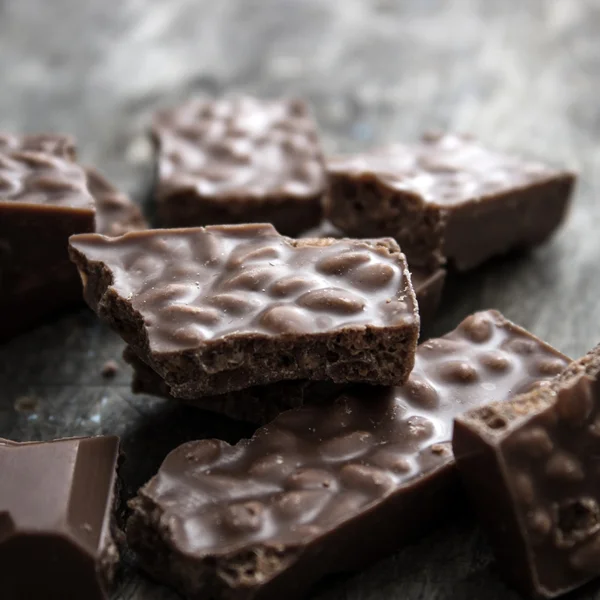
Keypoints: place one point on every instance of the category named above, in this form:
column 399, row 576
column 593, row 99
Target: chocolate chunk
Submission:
column 116, row 213
column 56, row 505
column 532, row 470
column 259, row 404
column 59, row 145
column 229, row 307
column 326, row 488
column 43, row 200
column 448, row 197
column 239, row 160
column 109, row 369
column 428, row 283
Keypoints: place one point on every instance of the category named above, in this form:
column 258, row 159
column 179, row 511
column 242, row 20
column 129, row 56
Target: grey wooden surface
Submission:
column 522, row 75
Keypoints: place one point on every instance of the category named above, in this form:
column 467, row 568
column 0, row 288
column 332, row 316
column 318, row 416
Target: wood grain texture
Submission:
column 523, row 76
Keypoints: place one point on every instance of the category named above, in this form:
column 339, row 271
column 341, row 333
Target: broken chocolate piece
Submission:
column 328, row 488
column 448, row 197
column 56, row 502
column 57, row 144
column 224, row 308
column 43, row 200
column 116, row 213
column 531, row 468
column 239, row 160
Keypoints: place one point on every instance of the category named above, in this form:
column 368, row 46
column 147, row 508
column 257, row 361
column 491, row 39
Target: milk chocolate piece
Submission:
column 116, row 213
column 531, row 467
column 56, row 502
column 448, row 197
column 43, row 200
column 328, row 488
column 239, row 160
column 57, row 144
column 428, row 283
column 224, row 308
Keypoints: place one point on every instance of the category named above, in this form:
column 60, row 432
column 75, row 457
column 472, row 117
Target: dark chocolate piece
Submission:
column 229, row 307
column 328, row 488
column 428, row 283
column 43, row 200
column 116, row 213
column 239, row 160
column 448, row 197
column 56, row 502
column 59, row 145
column 531, row 467
column 259, row 404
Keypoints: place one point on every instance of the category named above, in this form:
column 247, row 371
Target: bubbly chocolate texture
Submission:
column 261, row 404
column 448, row 198
column 221, row 308
column 239, row 160
column 531, row 467
column 428, row 283
column 56, row 526
column 43, row 200
column 49, row 143
column 116, row 213
column 326, row 488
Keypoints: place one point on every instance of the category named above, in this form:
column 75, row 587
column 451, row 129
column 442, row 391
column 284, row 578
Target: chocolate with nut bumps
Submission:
column 223, row 308
column 57, row 529
column 239, row 160
column 58, row 144
column 448, row 198
column 326, row 488
column 531, row 468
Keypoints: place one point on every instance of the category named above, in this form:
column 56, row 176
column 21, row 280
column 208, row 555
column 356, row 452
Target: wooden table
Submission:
column 523, row 76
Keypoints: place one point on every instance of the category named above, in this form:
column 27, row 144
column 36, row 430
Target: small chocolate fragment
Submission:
column 43, row 200
column 57, row 144
column 239, row 160
column 448, row 197
column 328, row 488
column 56, row 502
column 224, row 308
column 427, row 283
column 259, row 404
column 116, row 213
column 109, row 369
column 531, row 467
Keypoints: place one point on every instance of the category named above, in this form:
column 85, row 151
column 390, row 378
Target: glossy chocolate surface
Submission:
column 541, row 498
column 51, row 143
column 188, row 290
column 240, row 516
column 56, row 502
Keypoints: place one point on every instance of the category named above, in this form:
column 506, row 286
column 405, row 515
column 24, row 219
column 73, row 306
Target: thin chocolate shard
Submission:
column 223, row 308
column 448, row 197
column 428, row 283
column 56, row 518
column 239, row 160
column 327, row 488
column 531, row 468
column 116, row 213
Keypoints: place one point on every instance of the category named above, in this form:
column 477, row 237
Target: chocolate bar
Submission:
column 43, row 200
column 448, row 198
column 224, row 308
column 261, row 404
column 327, row 488
column 56, row 526
column 239, row 160
column 428, row 283
column 116, row 214
column 531, row 467
column 57, row 144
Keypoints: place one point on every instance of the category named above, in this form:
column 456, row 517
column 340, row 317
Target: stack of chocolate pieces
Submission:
column 292, row 295
column 45, row 197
